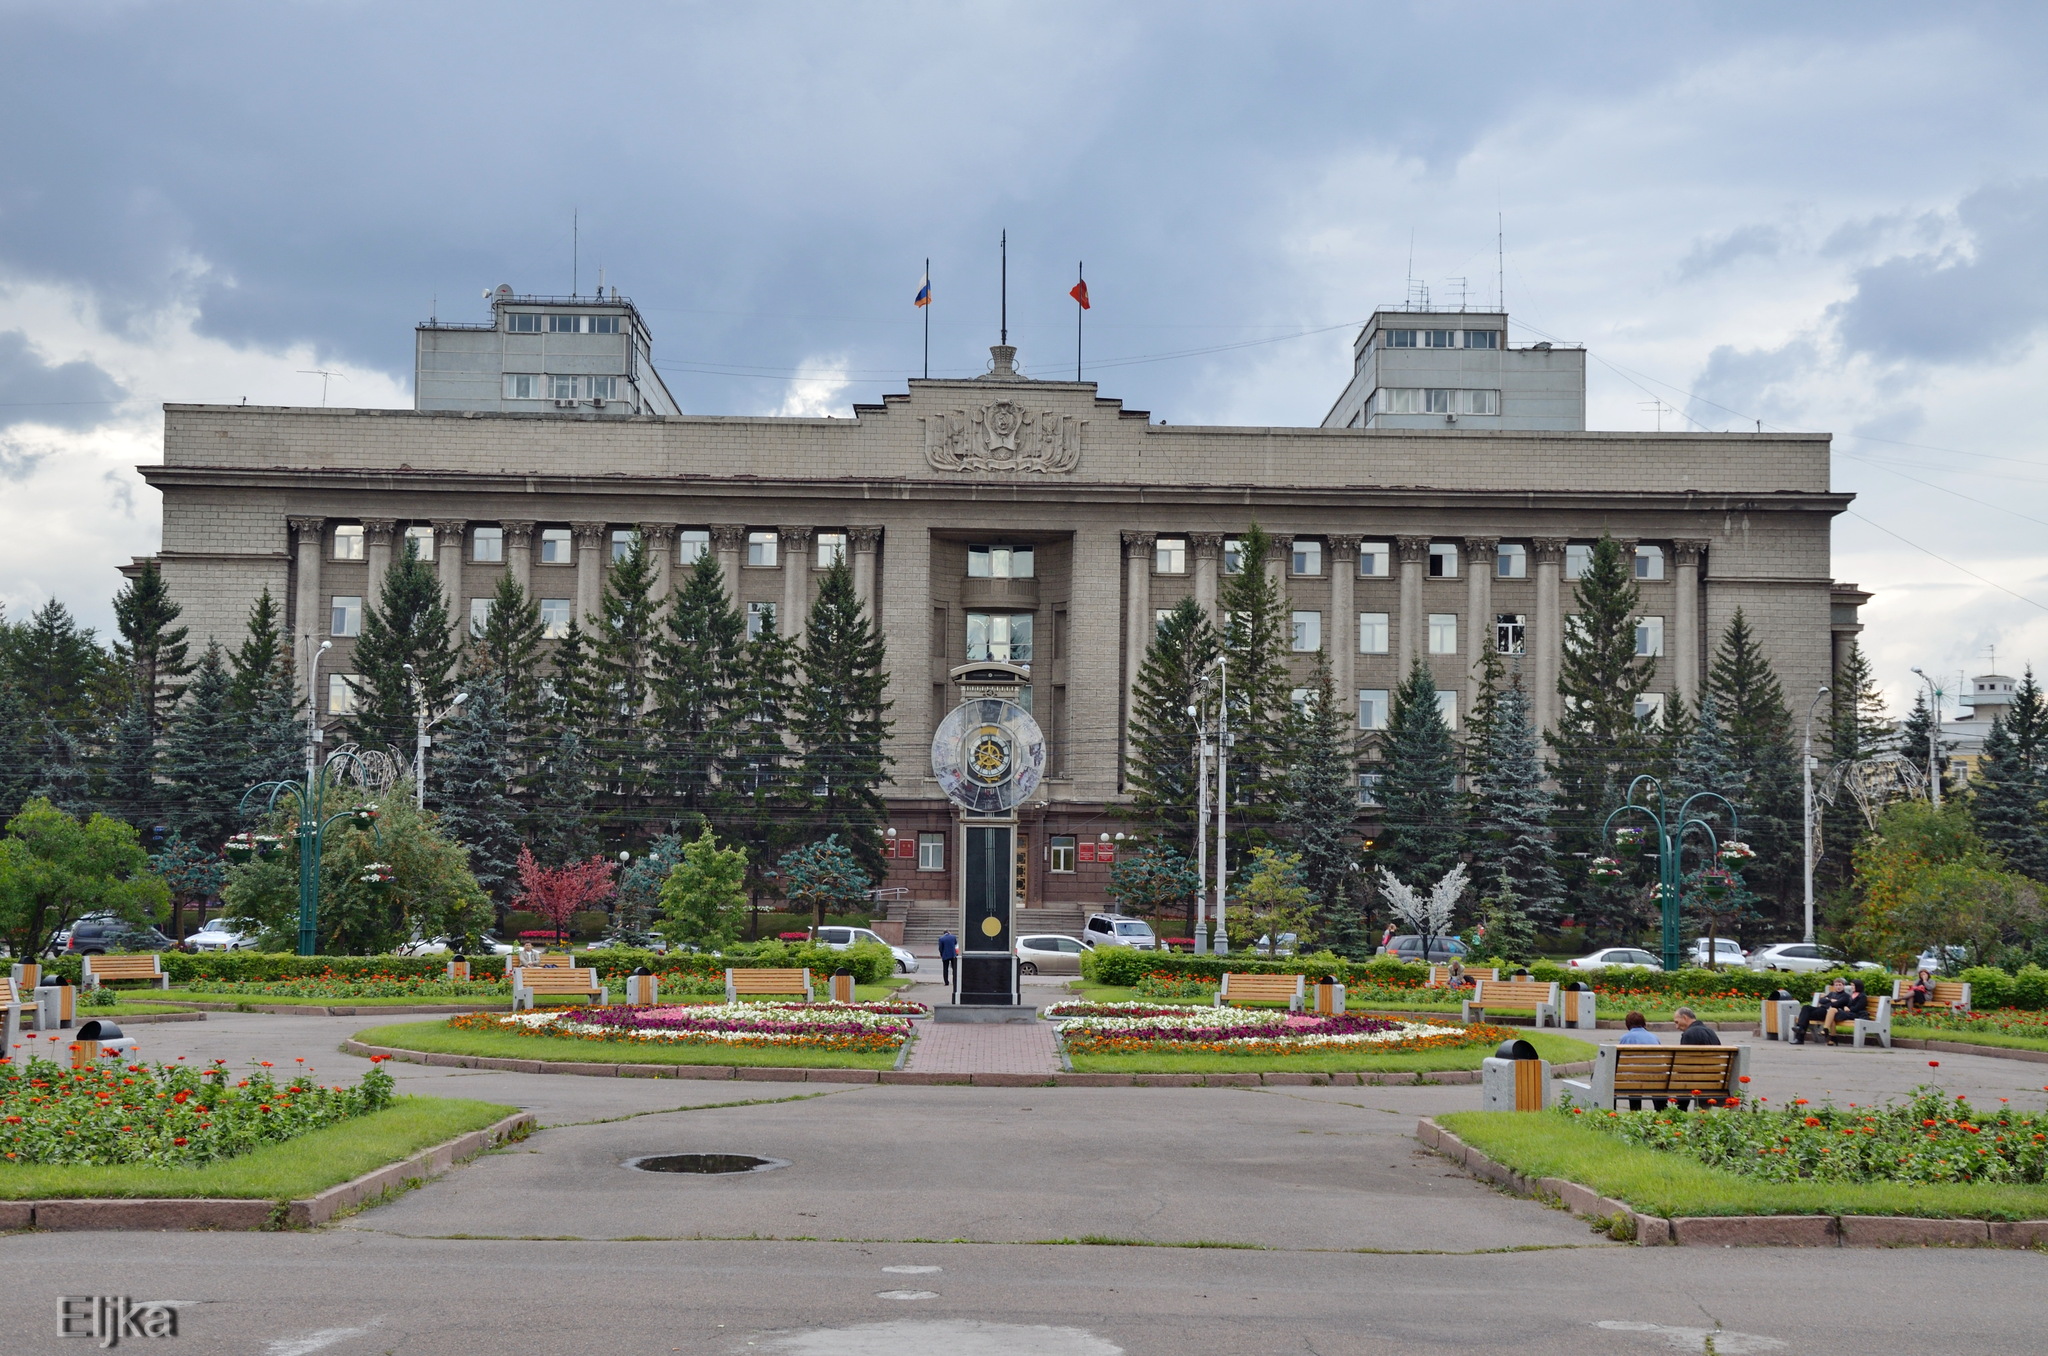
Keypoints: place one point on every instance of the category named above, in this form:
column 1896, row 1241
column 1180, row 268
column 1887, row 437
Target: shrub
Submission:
column 1989, row 988
column 2029, row 989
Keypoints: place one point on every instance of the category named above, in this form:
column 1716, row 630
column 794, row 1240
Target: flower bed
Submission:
column 1928, row 1139
column 866, row 1028
column 2001, row 1022
column 1148, row 1028
column 330, row 985
column 164, row 1115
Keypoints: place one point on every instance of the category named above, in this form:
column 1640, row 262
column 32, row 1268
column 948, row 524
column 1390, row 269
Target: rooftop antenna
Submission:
column 434, row 309
column 1461, row 284
column 323, row 374
column 1656, row 405
column 575, row 249
column 1006, row 288
column 1500, row 262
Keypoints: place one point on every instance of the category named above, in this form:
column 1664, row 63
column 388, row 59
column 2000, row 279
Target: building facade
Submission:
column 1454, row 369
column 590, row 355
column 1034, row 521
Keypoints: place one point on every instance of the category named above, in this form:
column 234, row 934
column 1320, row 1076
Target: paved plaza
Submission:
column 977, row 1221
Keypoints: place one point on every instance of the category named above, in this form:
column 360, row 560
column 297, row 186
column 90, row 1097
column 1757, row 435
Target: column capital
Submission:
column 1206, row 543
column 1628, row 547
column 658, row 536
column 1412, row 550
column 863, row 539
column 591, row 534
column 1549, row 550
column 1688, row 551
column 1344, row 547
column 450, row 527
column 728, row 536
column 379, row 531
column 796, row 538
column 306, row 526
column 1280, row 544
column 1139, row 543
column 1482, row 548
column 518, row 532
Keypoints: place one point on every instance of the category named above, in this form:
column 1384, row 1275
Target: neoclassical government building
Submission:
column 1009, row 518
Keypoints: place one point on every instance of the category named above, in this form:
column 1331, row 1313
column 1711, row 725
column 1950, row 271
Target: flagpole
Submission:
column 927, row 309
column 1080, row 277
column 1006, row 289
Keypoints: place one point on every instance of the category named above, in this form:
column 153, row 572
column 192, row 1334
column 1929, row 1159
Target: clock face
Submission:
column 989, row 755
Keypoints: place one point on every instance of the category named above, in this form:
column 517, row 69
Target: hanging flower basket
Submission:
column 1734, row 854
column 1605, row 870
column 364, row 817
column 377, row 877
column 240, row 848
column 1714, row 884
column 1628, row 840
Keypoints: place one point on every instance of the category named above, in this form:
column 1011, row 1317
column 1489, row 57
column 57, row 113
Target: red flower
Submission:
column 1934, row 1064
column 1743, row 1079
column 1813, row 1120
column 179, row 1140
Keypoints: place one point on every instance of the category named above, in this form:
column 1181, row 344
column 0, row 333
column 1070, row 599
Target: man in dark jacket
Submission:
column 1833, row 1006
column 1693, row 1031
column 949, row 955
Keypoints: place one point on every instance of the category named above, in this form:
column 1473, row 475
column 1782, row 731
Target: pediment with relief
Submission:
column 1002, row 435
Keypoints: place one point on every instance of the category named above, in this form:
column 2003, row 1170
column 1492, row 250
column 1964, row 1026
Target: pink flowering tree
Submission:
column 558, row 893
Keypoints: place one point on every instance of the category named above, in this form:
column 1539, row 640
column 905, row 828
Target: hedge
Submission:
column 870, row 964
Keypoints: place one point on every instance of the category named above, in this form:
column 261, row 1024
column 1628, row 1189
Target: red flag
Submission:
column 1079, row 292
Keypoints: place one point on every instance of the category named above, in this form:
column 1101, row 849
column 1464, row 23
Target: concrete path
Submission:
column 985, row 1047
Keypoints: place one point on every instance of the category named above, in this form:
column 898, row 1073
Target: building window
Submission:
column 1447, row 707
column 1170, row 555
column 487, row 545
column 1439, row 402
column 1159, row 616
column 1308, row 631
column 999, row 635
column 348, row 541
column 1482, row 338
column 1649, row 635
column 763, row 549
column 1398, row 400
column 1439, row 338
column 1369, row 788
column 554, row 618
column 557, row 546
column 341, row 694
column 1479, row 402
column 1233, row 556
column 692, row 545
column 1062, row 854
column 1510, row 633
column 1375, row 560
column 999, row 562
column 1443, row 560
column 624, row 539
column 1397, row 338
column 562, row 388
column 1372, row 708
column 831, row 549
column 760, row 620
column 931, row 852
column 1308, row 558
column 346, row 618
column 604, row 324
column 1299, row 699
column 522, row 322
column 1372, row 633
column 1649, row 562
column 522, row 386
column 420, row 538
column 1443, row 633
column 565, row 324
column 479, row 615
column 1511, row 563
column 1578, row 559
column 602, row 388
column 1650, row 707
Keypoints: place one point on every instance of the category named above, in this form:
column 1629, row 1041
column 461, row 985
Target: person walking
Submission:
column 949, row 955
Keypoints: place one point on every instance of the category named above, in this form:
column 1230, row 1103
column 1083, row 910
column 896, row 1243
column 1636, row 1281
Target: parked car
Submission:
column 1802, row 958
column 1442, row 950
column 1112, row 929
column 98, row 938
column 1614, row 957
column 439, row 946
column 631, row 940
column 1934, row 959
column 841, row 938
column 1286, row 947
column 1049, row 954
column 217, row 934
column 1727, row 951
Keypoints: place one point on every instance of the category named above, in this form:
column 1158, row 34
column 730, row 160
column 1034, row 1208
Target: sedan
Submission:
column 1615, row 957
column 1049, row 954
column 841, row 938
column 1802, row 958
column 217, row 934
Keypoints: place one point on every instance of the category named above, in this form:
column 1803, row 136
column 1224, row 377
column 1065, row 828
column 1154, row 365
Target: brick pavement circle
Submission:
column 985, row 1047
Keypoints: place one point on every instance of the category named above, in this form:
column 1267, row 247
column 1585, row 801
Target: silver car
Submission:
column 1049, row 954
column 841, row 938
column 217, row 934
column 1802, row 958
column 1111, row 929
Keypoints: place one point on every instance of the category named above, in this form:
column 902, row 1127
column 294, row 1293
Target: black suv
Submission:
column 97, row 937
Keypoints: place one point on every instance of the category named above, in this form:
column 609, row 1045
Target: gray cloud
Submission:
column 66, row 395
column 1709, row 255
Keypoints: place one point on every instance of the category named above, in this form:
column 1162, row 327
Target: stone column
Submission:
column 519, row 553
column 450, row 536
column 863, row 543
column 1546, row 633
column 1208, row 549
column 1342, row 637
column 593, row 542
column 905, row 615
column 1410, row 627
column 377, row 535
column 660, row 541
column 1480, row 553
column 729, row 542
column 1278, row 557
column 308, row 624
column 1685, row 622
column 796, row 581
column 1138, row 548
column 1094, row 668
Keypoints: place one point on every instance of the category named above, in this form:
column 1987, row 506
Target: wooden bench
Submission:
column 545, row 963
column 530, row 983
column 10, row 1022
column 1664, row 1072
column 1952, row 994
column 1288, row 989
column 1440, row 975
column 1878, row 1023
column 767, row 984
column 1532, row 996
column 98, row 968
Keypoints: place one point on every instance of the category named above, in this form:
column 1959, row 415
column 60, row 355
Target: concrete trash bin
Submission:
column 99, row 1039
column 56, row 1005
column 1576, row 1001
column 1514, row 1078
column 842, row 986
column 1329, row 997
column 643, row 989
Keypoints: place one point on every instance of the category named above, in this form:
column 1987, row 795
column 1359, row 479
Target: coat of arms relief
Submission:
column 1002, row 436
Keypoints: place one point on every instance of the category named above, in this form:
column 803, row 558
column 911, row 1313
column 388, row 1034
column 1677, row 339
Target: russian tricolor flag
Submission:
column 924, row 292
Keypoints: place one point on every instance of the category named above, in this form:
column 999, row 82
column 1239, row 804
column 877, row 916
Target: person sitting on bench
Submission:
column 1831, row 1010
column 1922, row 992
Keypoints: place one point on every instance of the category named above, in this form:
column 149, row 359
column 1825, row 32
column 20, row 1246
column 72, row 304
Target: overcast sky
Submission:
column 1817, row 216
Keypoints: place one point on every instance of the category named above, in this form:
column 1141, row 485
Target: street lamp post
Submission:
column 1806, row 799
column 311, row 795
column 1220, row 943
column 1671, row 828
column 1933, row 737
column 422, row 739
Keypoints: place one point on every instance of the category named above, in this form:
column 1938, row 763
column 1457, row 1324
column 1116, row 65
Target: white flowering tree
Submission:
column 1430, row 915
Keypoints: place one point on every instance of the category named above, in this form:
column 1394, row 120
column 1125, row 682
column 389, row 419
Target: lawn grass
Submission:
column 865, row 993
column 437, row 1038
column 1545, row 1144
column 1556, row 1049
column 1998, row 1038
column 1655, row 1012
column 298, row 1167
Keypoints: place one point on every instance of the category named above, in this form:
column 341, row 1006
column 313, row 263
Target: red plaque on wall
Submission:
column 1105, row 852
column 1085, row 852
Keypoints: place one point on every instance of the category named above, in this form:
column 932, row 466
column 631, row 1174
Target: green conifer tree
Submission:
column 1422, row 814
column 624, row 634
column 2005, row 800
column 1256, row 644
column 762, row 793
column 1761, row 743
column 697, row 688
column 840, row 720
column 1597, row 736
column 152, row 650
column 205, row 760
column 263, row 693
column 508, row 647
column 1320, row 811
column 1512, row 818
column 1857, row 729
column 471, row 788
column 1164, row 758
column 1920, row 725
column 409, row 625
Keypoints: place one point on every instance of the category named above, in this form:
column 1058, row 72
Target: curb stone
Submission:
column 1742, row 1231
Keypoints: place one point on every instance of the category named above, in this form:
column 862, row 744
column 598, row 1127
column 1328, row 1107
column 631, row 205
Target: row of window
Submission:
column 558, row 545
column 1431, row 400
column 536, row 322
column 1440, row 339
column 1373, row 706
column 1510, row 632
column 345, row 618
column 1375, row 559
column 559, row 386
column 1063, row 852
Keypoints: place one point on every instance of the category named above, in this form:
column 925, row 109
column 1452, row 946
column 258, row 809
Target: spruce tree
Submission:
column 508, row 648
column 204, row 761
column 559, row 823
column 1422, row 815
column 1164, row 762
column 623, row 637
column 2027, row 722
column 18, row 767
column 1255, row 641
column 471, row 788
column 2005, row 800
column 1597, row 735
column 1762, row 744
column 1921, row 726
column 1493, row 677
column 1321, row 806
column 409, row 625
column 263, row 655
column 1512, row 812
column 154, row 652
column 697, row 687
column 1706, row 762
column 1857, row 729
column 761, row 791
column 840, row 720
column 264, row 695
column 58, row 668
column 129, row 787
